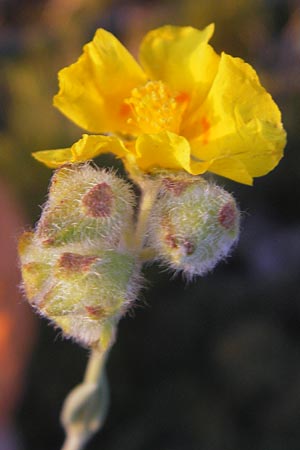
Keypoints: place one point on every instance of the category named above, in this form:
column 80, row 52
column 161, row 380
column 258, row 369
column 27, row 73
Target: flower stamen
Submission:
column 155, row 108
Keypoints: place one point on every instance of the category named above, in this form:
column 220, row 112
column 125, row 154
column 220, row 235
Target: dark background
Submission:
column 213, row 365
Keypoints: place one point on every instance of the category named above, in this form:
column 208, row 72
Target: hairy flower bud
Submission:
column 76, row 266
column 86, row 205
column 84, row 293
column 193, row 224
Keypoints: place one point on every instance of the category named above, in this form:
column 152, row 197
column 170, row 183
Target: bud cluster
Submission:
column 81, row 265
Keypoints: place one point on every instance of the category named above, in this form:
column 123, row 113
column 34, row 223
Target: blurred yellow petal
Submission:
column 181, row 57
column 239, row 122
column 163, row 150
column 91, row 146
column 166, row 150
column 231, row 168
column 92, row 90
column 54, row 158
column 86, row 148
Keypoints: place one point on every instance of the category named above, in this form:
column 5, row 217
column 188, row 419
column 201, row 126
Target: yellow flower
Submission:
column 185, row 107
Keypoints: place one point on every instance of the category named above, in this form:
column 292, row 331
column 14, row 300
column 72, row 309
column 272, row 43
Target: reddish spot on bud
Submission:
column 227, row 216
column 76, row 263
column 95, row 312
column 171, row 240
column 170, row 237
column 47, row 242
column 98, row 201
column 189, row 247
column 205, row 125
column 176, row 187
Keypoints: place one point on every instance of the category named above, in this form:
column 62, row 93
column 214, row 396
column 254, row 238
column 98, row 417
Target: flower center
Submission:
column 154, row 108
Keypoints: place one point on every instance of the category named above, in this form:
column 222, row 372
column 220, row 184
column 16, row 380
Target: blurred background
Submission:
column 214, row 365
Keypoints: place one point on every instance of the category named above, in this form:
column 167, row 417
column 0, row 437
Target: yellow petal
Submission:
column 92, row 90
column 239, row 122
column 231, row 168
column 54, row 158
column 90, row 146
column 86, row 148
column 165, row 150
column 180, row 57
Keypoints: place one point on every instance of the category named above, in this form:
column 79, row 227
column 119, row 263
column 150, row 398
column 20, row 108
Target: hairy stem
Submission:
column 149, row 194
column 85, row 407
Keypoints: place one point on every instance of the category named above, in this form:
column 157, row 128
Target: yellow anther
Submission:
column 154, row 108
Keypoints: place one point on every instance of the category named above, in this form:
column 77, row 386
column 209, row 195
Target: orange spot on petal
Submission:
column 125, row 110
column 182, row 97
column 205, row 125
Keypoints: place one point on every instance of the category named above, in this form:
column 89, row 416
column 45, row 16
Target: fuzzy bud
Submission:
column 76, row 268
column 84, row 293
column 193, row 224
column 86, row 205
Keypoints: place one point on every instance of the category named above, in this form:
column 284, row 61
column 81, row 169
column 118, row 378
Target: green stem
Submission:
column 73, row 442
column 86, row 405
column 95, row 366
column 149, row 193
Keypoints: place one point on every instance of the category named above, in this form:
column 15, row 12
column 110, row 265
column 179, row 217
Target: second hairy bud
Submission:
column 193, row 224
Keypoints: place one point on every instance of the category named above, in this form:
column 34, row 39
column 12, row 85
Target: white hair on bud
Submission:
column 193, row 225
